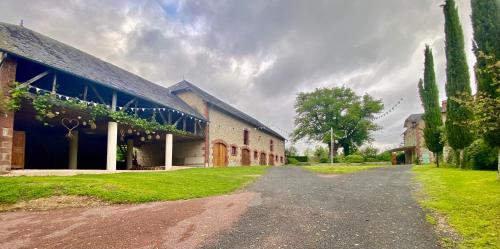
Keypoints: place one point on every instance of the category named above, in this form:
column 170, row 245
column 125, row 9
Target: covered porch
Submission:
column 409, row 154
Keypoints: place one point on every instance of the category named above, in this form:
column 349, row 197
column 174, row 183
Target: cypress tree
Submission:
column 457, row 82
column 486, row 24
column 429, row 95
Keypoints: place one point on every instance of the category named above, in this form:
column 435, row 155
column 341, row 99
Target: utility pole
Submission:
column 331, row 146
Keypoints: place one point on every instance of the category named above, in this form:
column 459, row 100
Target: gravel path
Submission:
column 298, row 209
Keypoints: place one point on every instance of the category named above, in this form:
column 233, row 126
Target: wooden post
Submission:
column 54, row 83
column 85, row 92
column 73, row 150
column 130, row 153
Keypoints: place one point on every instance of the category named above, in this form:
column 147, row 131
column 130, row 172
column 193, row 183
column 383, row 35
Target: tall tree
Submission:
column 429, row 95
column 339, row 108
column 458, row 134
column 486, row 25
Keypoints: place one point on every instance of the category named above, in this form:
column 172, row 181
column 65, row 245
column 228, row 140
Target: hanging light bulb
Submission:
column 143, row 139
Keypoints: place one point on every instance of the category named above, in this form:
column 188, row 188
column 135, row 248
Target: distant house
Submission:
column 413, row 139
column 181, row 125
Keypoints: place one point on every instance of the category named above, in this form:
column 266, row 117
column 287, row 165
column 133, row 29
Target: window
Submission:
column 255, row 155
column 271, row 145
column 276, row 158
column 281, row 159
column 245, row 137
column 234, row 151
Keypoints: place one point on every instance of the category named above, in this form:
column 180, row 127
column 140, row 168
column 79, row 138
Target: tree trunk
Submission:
column 346, row 150
column 437, row 159
column 498, row 163
column 462, row 161
column 457, row 158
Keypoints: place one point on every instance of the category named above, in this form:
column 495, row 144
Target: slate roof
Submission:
column 25, row 43
column 413, row 118
column 185, row 85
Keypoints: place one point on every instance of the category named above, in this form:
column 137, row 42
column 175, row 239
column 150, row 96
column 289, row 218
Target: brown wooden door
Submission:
column 220, row 155
column 245, row 157
column 262, row 158
column 271, row 159
column 18, row 145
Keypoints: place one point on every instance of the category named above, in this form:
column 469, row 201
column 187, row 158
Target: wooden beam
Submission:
column 135, row 106
column 162, row 118
column 85, row 92
column 177, row 122
column 54, row 83
column 194, row 127
column 114, row 98
column 129, row 103
column 97, row 94
column 184, row 124
column 32, row 80
column 169, row 118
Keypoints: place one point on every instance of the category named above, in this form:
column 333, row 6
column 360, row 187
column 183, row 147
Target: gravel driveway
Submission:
column 299, row 209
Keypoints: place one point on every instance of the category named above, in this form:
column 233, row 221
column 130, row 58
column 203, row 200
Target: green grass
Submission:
column 341, row 169
column 470, row 201
column 131, row 187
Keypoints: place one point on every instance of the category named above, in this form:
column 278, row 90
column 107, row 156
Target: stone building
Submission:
column 148, row 126
column 413, row 139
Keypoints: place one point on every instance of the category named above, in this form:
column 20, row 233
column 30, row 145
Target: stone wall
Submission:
column 229, row 130
column 151, row 154
column 189, row 153
column 7, row 78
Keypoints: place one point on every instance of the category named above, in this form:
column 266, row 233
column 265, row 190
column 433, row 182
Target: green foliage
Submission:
column 11, row 101
column 318, row 111
column 429, row 96
column 46, row 104
column 458, row 135
column 384, row 156
column 354, row 159
column 300, row 158
column 292, row 160
column 481, row 156
column 324, row 160
column 131, row 187
column 469, row 201
column 291, row 151
column 319, row 153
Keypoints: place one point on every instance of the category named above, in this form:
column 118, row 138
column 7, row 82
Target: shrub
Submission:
column 303, row 164
column 338, row 159
column 482, row 156
column 292, row 160
column 353, row 159
column 324, row 160
column 299, row 158
column 384, row 157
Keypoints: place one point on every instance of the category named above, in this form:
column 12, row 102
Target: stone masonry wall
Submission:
column 7, row 78
column 230, row 130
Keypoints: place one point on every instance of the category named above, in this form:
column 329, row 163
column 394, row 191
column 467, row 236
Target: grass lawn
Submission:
column 469, row 200
column 341, row 169
column 131, row 187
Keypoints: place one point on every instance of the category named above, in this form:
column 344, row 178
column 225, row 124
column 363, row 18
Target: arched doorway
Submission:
column 245, row 157
column 262, row 159
column 271, row 159
column 220, row 155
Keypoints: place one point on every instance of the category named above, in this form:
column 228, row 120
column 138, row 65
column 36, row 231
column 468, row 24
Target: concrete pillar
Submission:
column 7, row 77
column 73, row 150
column 130, row 153
column 112, row 139
column 169, row 142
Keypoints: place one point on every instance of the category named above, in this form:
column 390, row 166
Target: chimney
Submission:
column 21, row 23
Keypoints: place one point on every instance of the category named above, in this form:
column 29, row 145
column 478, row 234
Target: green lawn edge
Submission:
column 469, row 200
column 341, row 169
column 134, row 187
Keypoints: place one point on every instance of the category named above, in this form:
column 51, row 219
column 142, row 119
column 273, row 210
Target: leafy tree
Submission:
column 458, row 135
column 369, row 153
column 339, row 108
column 486, row 25
column 291, row 151
column 429, row 95
column 320, row 152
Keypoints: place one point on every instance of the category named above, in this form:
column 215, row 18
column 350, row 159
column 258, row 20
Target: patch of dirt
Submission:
column 54, row 202
column 171, row 224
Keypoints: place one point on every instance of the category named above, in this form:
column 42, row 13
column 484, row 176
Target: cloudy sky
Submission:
column 258, row 54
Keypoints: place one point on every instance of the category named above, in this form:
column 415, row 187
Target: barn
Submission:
column 63, row 108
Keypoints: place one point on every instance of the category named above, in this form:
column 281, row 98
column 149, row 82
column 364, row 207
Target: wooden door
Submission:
column 245, row 157
column 18, row 148
column 262, row 158
column 271, row 159
column 220, row 155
